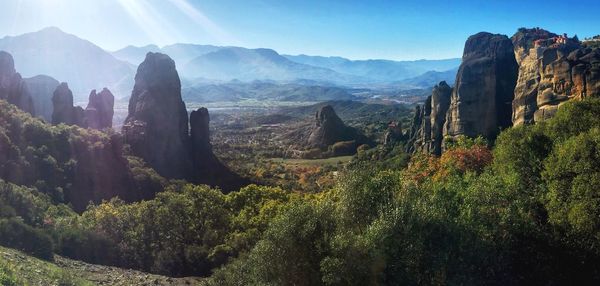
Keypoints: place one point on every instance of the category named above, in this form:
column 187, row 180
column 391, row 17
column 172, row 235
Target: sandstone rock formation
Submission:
column 426, row 133
column 393, row 134
column 206, row 166
column 157, row 124
column 552, row 69
column 41, row 89
column 12, row 87
column 440, row 102
column 100, row 109
column 482, row 98
column 63, row 109
column 156, row 128
column 200, row 132
column 329, row 129
column 420, row 133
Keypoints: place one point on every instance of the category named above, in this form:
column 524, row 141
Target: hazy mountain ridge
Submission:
column 66, row 57
column 378, row 70
column 85, row 66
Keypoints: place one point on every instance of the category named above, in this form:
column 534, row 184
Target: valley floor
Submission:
column 32, row 271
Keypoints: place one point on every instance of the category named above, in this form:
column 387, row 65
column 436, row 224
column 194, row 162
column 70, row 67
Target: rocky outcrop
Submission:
column 206, row 166
column 481, row 102
column 420, row 134
column 394, row 133
column 156, row 127
column 552, row 70
column 63, row 109
column 100, row 109
column 426, row 133
column 12, row 87
column 200, row 133
column 41, row 89
column 440, row 103
column 328, row 128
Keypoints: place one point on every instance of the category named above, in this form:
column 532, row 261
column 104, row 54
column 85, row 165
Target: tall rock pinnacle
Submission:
column 12, row 87
column 481, row 103
column 157, row 124
column 100, row 109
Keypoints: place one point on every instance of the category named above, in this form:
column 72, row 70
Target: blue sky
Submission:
column 399, row 30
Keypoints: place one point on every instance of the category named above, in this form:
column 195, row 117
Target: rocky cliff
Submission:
column 426, row 132
column 206, row 166
column 12, row 87
column 156, row 128
column 329, row 129
column 482, row 98
column 157, row 123
column 552, row 69
column 100, row 109
column 63, row 109
column 41, row 88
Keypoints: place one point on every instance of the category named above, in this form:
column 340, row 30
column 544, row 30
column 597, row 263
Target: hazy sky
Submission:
column 397, row 30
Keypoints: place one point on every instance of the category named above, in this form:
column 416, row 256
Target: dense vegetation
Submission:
column 525, row 212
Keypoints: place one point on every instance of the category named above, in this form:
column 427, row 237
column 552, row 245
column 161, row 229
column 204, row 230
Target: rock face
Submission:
column 156, row 128
column 200, row 133
column 426, row 134
column 206, row 166
column 12, row 87
column 440, row 102
column 100, row 109
column 420, row 132
column 552, row 69
column 157, row 124
column 63, row 109
column 328, row 128
column 41, row 89
column 393, row 134
column 481, row 100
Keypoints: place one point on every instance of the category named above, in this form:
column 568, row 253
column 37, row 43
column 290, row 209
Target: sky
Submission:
column 369, row 29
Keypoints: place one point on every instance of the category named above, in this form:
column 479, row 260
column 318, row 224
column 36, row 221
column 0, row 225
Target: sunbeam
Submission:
column 152, row 23
column 214, row 30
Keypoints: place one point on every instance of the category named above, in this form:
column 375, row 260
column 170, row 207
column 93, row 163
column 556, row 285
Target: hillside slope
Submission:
column 33, row 271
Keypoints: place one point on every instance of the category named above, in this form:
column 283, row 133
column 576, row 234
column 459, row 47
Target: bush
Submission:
column 15, row 234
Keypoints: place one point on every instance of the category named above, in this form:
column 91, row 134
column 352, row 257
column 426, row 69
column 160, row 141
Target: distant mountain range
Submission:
column 235, row 91
column 378, row 70
column 85, row 66
column 68, row 58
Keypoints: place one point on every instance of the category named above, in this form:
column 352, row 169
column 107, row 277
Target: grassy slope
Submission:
column 33, row 271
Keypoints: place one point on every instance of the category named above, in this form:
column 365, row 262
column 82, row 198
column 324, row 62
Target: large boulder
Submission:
column 156, row 127
column 481, row 102
column 12, row 87
column 41, row 89
column 552, row 70
column 100, row 109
